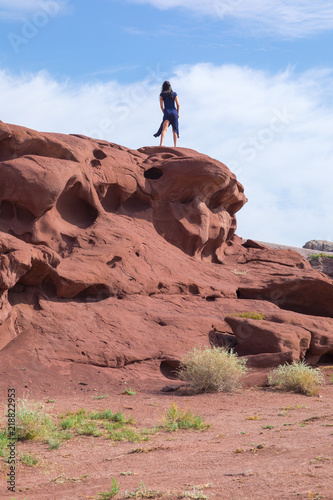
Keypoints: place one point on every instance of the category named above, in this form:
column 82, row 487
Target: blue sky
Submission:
column 254, row 79
column 84, row 39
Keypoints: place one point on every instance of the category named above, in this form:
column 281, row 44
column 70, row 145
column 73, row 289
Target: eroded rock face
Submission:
column 56, row 186
column 122, row 259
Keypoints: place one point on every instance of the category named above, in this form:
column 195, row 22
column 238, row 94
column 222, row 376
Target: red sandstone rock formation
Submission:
column 114, row 258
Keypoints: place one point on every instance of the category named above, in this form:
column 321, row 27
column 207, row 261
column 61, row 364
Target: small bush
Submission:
column 297, row 377
column 112, row 425
column 89, row 429
column 249, row 315
column 316, row 256
column 175, row 419
column 29, row 459
column 143, row 492
column 212, row 370
column 73, row 419
column 110, row 416
column 54, row 443
column 32, row 422
column 195, row 495
column 107, row 495
column 129, row 392
column 127, row 434
column 4, row 443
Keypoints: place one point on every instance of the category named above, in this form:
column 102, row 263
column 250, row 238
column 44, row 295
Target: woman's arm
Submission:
column 162, row 104
column 177, row 104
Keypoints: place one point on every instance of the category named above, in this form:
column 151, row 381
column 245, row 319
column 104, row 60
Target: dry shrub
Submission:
column 175, row 419
column 212, row 369
column 297, row 377
column 33, row 422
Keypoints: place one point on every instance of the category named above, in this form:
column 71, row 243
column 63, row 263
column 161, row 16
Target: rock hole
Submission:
column 74, row 209
column 26, row 237
column 216, row 201
column 24, row 215
column 112, row 200
column 169, row 368
column 162, row 323
column 37, row 305
column 94, row 293
column 238, row 294
column 326, row 359
column 95, row 163
column 186, row 201
column 6, row 211
column 221, row 339
column 137, row 254
column 153, row 173
column 16, row 295
column 99, row 154
column 136, row 203
column 230, row 233
column 49, row 287
column 211, row 298
column 112, row 263
column 70, row 242
column 194, row 289
column 160, row 286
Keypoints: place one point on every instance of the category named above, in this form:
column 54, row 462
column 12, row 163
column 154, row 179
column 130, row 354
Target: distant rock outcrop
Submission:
column 321, row 245
column 112, row 258
column 323, row 263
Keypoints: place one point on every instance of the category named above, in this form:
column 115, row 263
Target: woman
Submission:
column 168, row 103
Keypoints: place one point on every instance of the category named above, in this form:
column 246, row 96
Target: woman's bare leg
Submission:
column 175, row 137
column 164, row 130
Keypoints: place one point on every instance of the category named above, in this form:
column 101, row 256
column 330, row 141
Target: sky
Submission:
column 254, row 81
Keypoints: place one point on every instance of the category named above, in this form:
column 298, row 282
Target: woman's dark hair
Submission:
column 166, row 88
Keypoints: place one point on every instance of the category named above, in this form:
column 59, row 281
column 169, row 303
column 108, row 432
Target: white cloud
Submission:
column 273, row 130
column 292, row 18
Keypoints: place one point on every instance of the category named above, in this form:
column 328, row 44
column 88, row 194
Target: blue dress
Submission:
column 170, row 112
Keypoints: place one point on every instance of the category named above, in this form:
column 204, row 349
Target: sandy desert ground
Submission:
column 261, row 444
